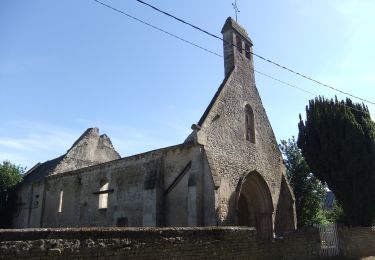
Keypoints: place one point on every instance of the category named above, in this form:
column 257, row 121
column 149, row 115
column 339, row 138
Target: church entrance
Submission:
column 254, row 206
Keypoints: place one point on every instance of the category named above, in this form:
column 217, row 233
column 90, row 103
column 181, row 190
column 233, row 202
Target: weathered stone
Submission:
column 89, row 149
column 178, row 243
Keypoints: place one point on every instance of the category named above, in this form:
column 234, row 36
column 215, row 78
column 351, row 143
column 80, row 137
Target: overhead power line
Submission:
column 257, row 55
column 306, row 91
column 180, row 20
column 212, row 52
column 285, row 83
column 157, row 28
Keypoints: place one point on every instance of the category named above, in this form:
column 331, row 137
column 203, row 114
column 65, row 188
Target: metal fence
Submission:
column 328, row 240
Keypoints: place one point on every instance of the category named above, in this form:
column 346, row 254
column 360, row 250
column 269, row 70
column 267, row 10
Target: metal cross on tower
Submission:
column 235, row 7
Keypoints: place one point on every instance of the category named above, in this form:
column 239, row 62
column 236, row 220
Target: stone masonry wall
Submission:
column 223, row 133
column 154, row 243
column 90, row 149
column 357, row 242
column 132, row 181
column 176, row 243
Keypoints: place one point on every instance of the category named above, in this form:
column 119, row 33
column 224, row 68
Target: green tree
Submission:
column 308, row 191
column 335, row 214
column 10, row 175
column 338, row 141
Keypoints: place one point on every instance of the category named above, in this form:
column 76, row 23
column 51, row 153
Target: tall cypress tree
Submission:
column 338, row 142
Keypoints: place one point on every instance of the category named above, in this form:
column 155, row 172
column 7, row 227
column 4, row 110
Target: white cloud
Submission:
column 14, row 143
column 28, row 142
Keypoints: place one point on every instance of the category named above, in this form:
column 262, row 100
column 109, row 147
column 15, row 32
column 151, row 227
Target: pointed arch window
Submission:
column 249, row 124
column 103, row 194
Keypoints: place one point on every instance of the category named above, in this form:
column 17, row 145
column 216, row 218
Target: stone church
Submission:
column 228, row 171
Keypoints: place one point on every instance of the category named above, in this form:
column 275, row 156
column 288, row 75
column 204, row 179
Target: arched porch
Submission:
column 254, row 205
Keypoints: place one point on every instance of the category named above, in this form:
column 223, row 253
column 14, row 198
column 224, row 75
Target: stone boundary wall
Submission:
column 356, row 242
column 175, row 243
column 153, row 243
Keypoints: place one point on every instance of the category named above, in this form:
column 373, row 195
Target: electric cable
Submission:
column 157, row 28
column 212, row 52
column 256, row 55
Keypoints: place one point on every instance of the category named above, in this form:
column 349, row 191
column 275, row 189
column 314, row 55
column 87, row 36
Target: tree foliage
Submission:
column 308, row 191
column 335, row 214
column 338, row 141
column 10, row 174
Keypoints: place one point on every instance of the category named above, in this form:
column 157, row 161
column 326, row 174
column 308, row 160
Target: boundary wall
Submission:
column 175, row 243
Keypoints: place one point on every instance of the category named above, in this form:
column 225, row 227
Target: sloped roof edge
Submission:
column 42, row 169
column 213, row 100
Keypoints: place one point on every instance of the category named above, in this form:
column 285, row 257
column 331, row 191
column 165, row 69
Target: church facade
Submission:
column 228, row 171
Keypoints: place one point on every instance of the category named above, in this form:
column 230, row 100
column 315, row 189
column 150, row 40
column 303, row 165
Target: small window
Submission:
column 249, row 124
column 239, row 43
column 247, row 50
column 60, row 201
column 103, row 194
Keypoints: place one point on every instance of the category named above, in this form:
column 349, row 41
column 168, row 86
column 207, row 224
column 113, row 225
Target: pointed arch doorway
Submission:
column 254, row 205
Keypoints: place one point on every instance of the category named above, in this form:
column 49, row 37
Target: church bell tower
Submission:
column 237, row 47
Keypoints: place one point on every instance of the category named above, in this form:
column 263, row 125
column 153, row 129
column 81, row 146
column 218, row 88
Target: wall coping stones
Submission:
column 141, row 233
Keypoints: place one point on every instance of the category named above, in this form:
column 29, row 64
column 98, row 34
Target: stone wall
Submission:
column 89, row 149
column 144, row 190
column 357, row 242
column 28, row 206
column 154, row 243
column 222, row 131
column 176, row 243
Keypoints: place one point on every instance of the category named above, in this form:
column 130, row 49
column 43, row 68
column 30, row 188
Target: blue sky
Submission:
column 69, row 65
